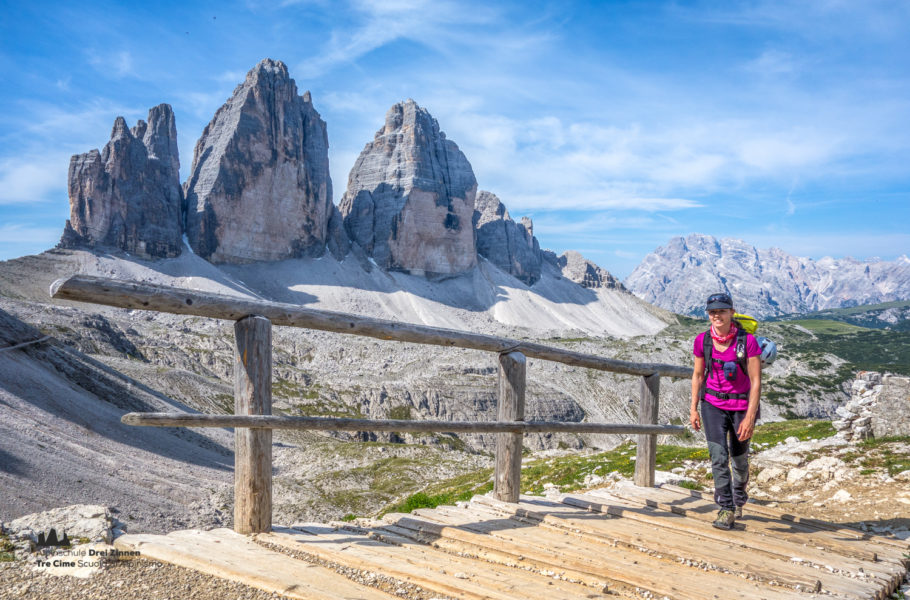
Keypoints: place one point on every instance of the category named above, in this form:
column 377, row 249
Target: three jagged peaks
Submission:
column 259, row 190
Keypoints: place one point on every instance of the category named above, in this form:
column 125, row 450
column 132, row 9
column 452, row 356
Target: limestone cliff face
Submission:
column 582, row 271
column 128, row 195
column 260, row 187
column 509, row 245
column 410, row 197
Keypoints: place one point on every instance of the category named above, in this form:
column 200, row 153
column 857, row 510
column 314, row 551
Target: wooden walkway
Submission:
column 652, row 542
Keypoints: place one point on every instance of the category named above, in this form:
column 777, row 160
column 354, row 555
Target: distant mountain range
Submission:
column 764, row 283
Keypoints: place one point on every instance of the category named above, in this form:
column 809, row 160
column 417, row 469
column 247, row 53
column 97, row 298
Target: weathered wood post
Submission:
column 252, row 447
column 507, row 478
column 646, row 453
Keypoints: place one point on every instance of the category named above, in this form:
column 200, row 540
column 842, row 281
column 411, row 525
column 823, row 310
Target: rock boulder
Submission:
column 409, row 203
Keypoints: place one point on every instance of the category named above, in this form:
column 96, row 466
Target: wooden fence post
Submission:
column 252, row 447
column 646, row 453
column 507, row 479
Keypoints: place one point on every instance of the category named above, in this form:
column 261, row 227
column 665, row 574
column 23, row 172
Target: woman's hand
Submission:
column 695, row 420
column 746, row 427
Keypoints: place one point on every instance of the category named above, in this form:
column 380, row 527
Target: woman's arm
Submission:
column 698, row 378
column 747, row 426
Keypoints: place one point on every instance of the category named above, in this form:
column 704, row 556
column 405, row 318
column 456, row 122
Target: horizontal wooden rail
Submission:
column 340, row 424
column 144, row 296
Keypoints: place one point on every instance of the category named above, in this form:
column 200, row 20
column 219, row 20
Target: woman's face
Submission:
column 720, row 317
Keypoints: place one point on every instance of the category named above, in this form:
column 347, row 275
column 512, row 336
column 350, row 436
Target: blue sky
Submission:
column 614, row 125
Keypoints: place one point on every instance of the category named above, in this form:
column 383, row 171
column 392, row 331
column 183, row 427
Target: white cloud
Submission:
column 20, row 240
column 33, row 179
column 439, row 25
column 772, row 63
column 112, row 64
column 26, row 234
column 858, row 244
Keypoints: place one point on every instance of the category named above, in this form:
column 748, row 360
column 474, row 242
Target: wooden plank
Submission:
column 646, row 450
column 162, row 298
column 759, row 542
column 503, row 552
column 896, row 548
column 507, row 473
column 735, row 555
column 252, row 447
column 700, row 509
column 659, row 575
column 229, row 555
column 421, row 565
column 335, row 424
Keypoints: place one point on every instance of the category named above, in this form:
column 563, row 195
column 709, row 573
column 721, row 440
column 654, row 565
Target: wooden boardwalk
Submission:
column 652, row 542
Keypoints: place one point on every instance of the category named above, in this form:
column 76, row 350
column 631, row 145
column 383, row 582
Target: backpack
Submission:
column 745, row 324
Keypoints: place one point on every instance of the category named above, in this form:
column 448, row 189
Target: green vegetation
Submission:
column 862, row 316
column 566, row 472
column 225, row 402
column 883, row 453
column 770, row 434
column 461, row 488
column 7, row 549
column 691, row 485
column 400, row 413
column 868, row 350
column 324, row 407
column 826, row 326
column 284, row 388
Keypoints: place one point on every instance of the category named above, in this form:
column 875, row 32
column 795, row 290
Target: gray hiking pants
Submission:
column 724, row 448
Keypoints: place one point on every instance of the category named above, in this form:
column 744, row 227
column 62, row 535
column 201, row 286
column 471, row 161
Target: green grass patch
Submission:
column 7, row 549
column 670, row 457
column 461, row 488
column 400, row 413
column 225, row 402
column 691, row 485
column 827, row 327
column 770, row 434
column 886, row 453
column 284, row 388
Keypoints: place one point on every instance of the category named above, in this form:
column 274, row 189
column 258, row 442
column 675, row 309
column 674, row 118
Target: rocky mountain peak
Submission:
column 680, row 275
column 584, row 272
column 509, row 245
column 128, row 196
column 268, row 68
column 410, row 197
column 259, row 188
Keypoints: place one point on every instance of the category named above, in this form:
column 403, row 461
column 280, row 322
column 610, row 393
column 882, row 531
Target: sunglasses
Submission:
column 720, row 298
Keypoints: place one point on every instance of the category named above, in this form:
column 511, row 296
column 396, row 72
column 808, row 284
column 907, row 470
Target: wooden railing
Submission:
column 253, row 421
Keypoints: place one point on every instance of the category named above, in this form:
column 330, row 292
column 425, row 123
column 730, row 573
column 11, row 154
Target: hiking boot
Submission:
column 738, row 512
column 725, row 519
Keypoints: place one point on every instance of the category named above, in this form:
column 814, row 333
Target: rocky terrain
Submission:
column 128, row 196
column 185, row 363
column 861, row 485
column 259, row 188
column 509, row 245
column 410, row 197
column 763, row 283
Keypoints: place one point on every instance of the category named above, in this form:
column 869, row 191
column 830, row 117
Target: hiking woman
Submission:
column 726, row 382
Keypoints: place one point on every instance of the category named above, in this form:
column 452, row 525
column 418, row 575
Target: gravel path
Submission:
column 138, row 579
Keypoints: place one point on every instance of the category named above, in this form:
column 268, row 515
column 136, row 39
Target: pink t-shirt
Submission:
column 716, row 379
